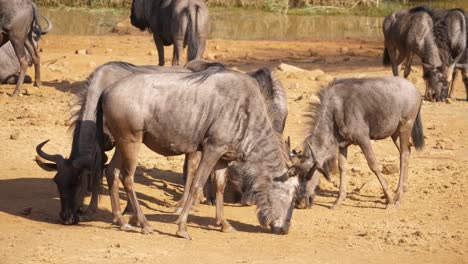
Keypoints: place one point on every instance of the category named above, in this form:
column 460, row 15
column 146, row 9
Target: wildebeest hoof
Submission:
column 125, row 227
column 228, row 229
column 210, row 202
column 147, row 230
column 134, row 221
column 183, row 234
column 335, row 206
column 37, row 84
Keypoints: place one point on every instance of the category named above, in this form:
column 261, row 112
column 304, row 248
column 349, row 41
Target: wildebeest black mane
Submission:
column 201, row 76
column 421, row 9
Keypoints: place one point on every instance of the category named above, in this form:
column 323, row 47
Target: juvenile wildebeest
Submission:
column 9, row 64
column 354, row 111
column 410, row 32
column 18, row 20
column 174, row 22
column 221, row 113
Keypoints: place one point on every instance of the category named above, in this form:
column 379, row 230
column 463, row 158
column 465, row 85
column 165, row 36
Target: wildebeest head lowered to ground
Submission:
column 239, row 129
column 174, row 22
column 356, row 111
column 18, row 23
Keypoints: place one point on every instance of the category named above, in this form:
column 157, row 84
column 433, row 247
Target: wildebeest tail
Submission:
column 417, row 134
column 36, row 26
column 386, row 57
column 192, row 28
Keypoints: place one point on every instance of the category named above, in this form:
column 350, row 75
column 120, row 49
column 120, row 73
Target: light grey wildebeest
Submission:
column 174, row 22
column 223, row 115
column 18, row 20
column 9, row 64
column 354, row 112
column 409, row 32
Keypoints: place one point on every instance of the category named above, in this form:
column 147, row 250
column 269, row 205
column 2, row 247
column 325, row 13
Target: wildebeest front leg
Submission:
column 129, row 155
column 178, row 51
column 405, row 133
column 160, row 48
column 221, row 178
column 18, row 46
column 36, row 60
column 209, row 159
column 452, row 84
column 366, row 147
column 409, row 61
column 342, row 164
column 393, row 60
column 192, row 160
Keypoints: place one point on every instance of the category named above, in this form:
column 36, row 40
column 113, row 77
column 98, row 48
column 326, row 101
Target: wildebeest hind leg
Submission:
column 409, row 61
column 221, row 178
column 112, row 173
column 129, row 152
column 18, row 46
column 452, row 84
column 366, row 147
column 342, row 164
column 405, row 134
column 209, row 159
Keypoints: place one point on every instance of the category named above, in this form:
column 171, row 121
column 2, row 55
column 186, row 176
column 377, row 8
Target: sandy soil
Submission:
column 429, row 227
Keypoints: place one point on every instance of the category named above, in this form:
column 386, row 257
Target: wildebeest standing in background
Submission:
column 18, row 20
column 410, row 32
column 174, row 22
column 216, row 132
column 451, row 35
column 354, row 111
column 463, row 67
column 9, row 64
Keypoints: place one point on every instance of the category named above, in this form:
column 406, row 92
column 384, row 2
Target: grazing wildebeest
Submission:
column 354, row 111
column 410, row 32
column 174, row 22
column 221, row 113
column 9, row 64
column 18, row 20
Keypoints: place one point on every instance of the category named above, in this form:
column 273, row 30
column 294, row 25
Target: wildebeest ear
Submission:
column 46, row 166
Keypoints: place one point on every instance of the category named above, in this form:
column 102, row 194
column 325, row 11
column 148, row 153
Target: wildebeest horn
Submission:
column 57, row 159
column 462, row 66
column 49, row 26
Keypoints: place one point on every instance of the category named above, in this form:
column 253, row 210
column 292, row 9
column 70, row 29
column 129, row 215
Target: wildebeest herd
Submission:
column 229, row 124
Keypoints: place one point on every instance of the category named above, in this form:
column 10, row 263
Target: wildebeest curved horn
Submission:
column 57, row 159
column 49, row 26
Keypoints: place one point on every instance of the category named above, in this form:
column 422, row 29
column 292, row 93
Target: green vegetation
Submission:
column 297, row 7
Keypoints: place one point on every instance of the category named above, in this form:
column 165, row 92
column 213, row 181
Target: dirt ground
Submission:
column 429, row 227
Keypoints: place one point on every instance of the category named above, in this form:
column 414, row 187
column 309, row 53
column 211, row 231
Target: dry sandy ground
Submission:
column 429, row 227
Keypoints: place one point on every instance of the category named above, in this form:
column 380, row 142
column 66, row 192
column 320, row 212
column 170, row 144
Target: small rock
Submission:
column 108, row 50
column 89, row 51
column 152, row 53
column 289, row 68
column 217, row 47
column 390, row 168
column 344, row 49
column 15, row 135
column 80, row 52
column 299, row 98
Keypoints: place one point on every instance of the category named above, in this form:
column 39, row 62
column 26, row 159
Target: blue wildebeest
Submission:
column 18, row 22
column 217, row 133
column 409, row 32
column 174, row 22
column 463, row 67
column 9, row 64
column 356, row 111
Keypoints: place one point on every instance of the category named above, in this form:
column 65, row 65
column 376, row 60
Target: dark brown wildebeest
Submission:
column 356, row 111
column 409, row 32
column 9, row 64
column 18, row 22
column 223, row 115
column 174, row 22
